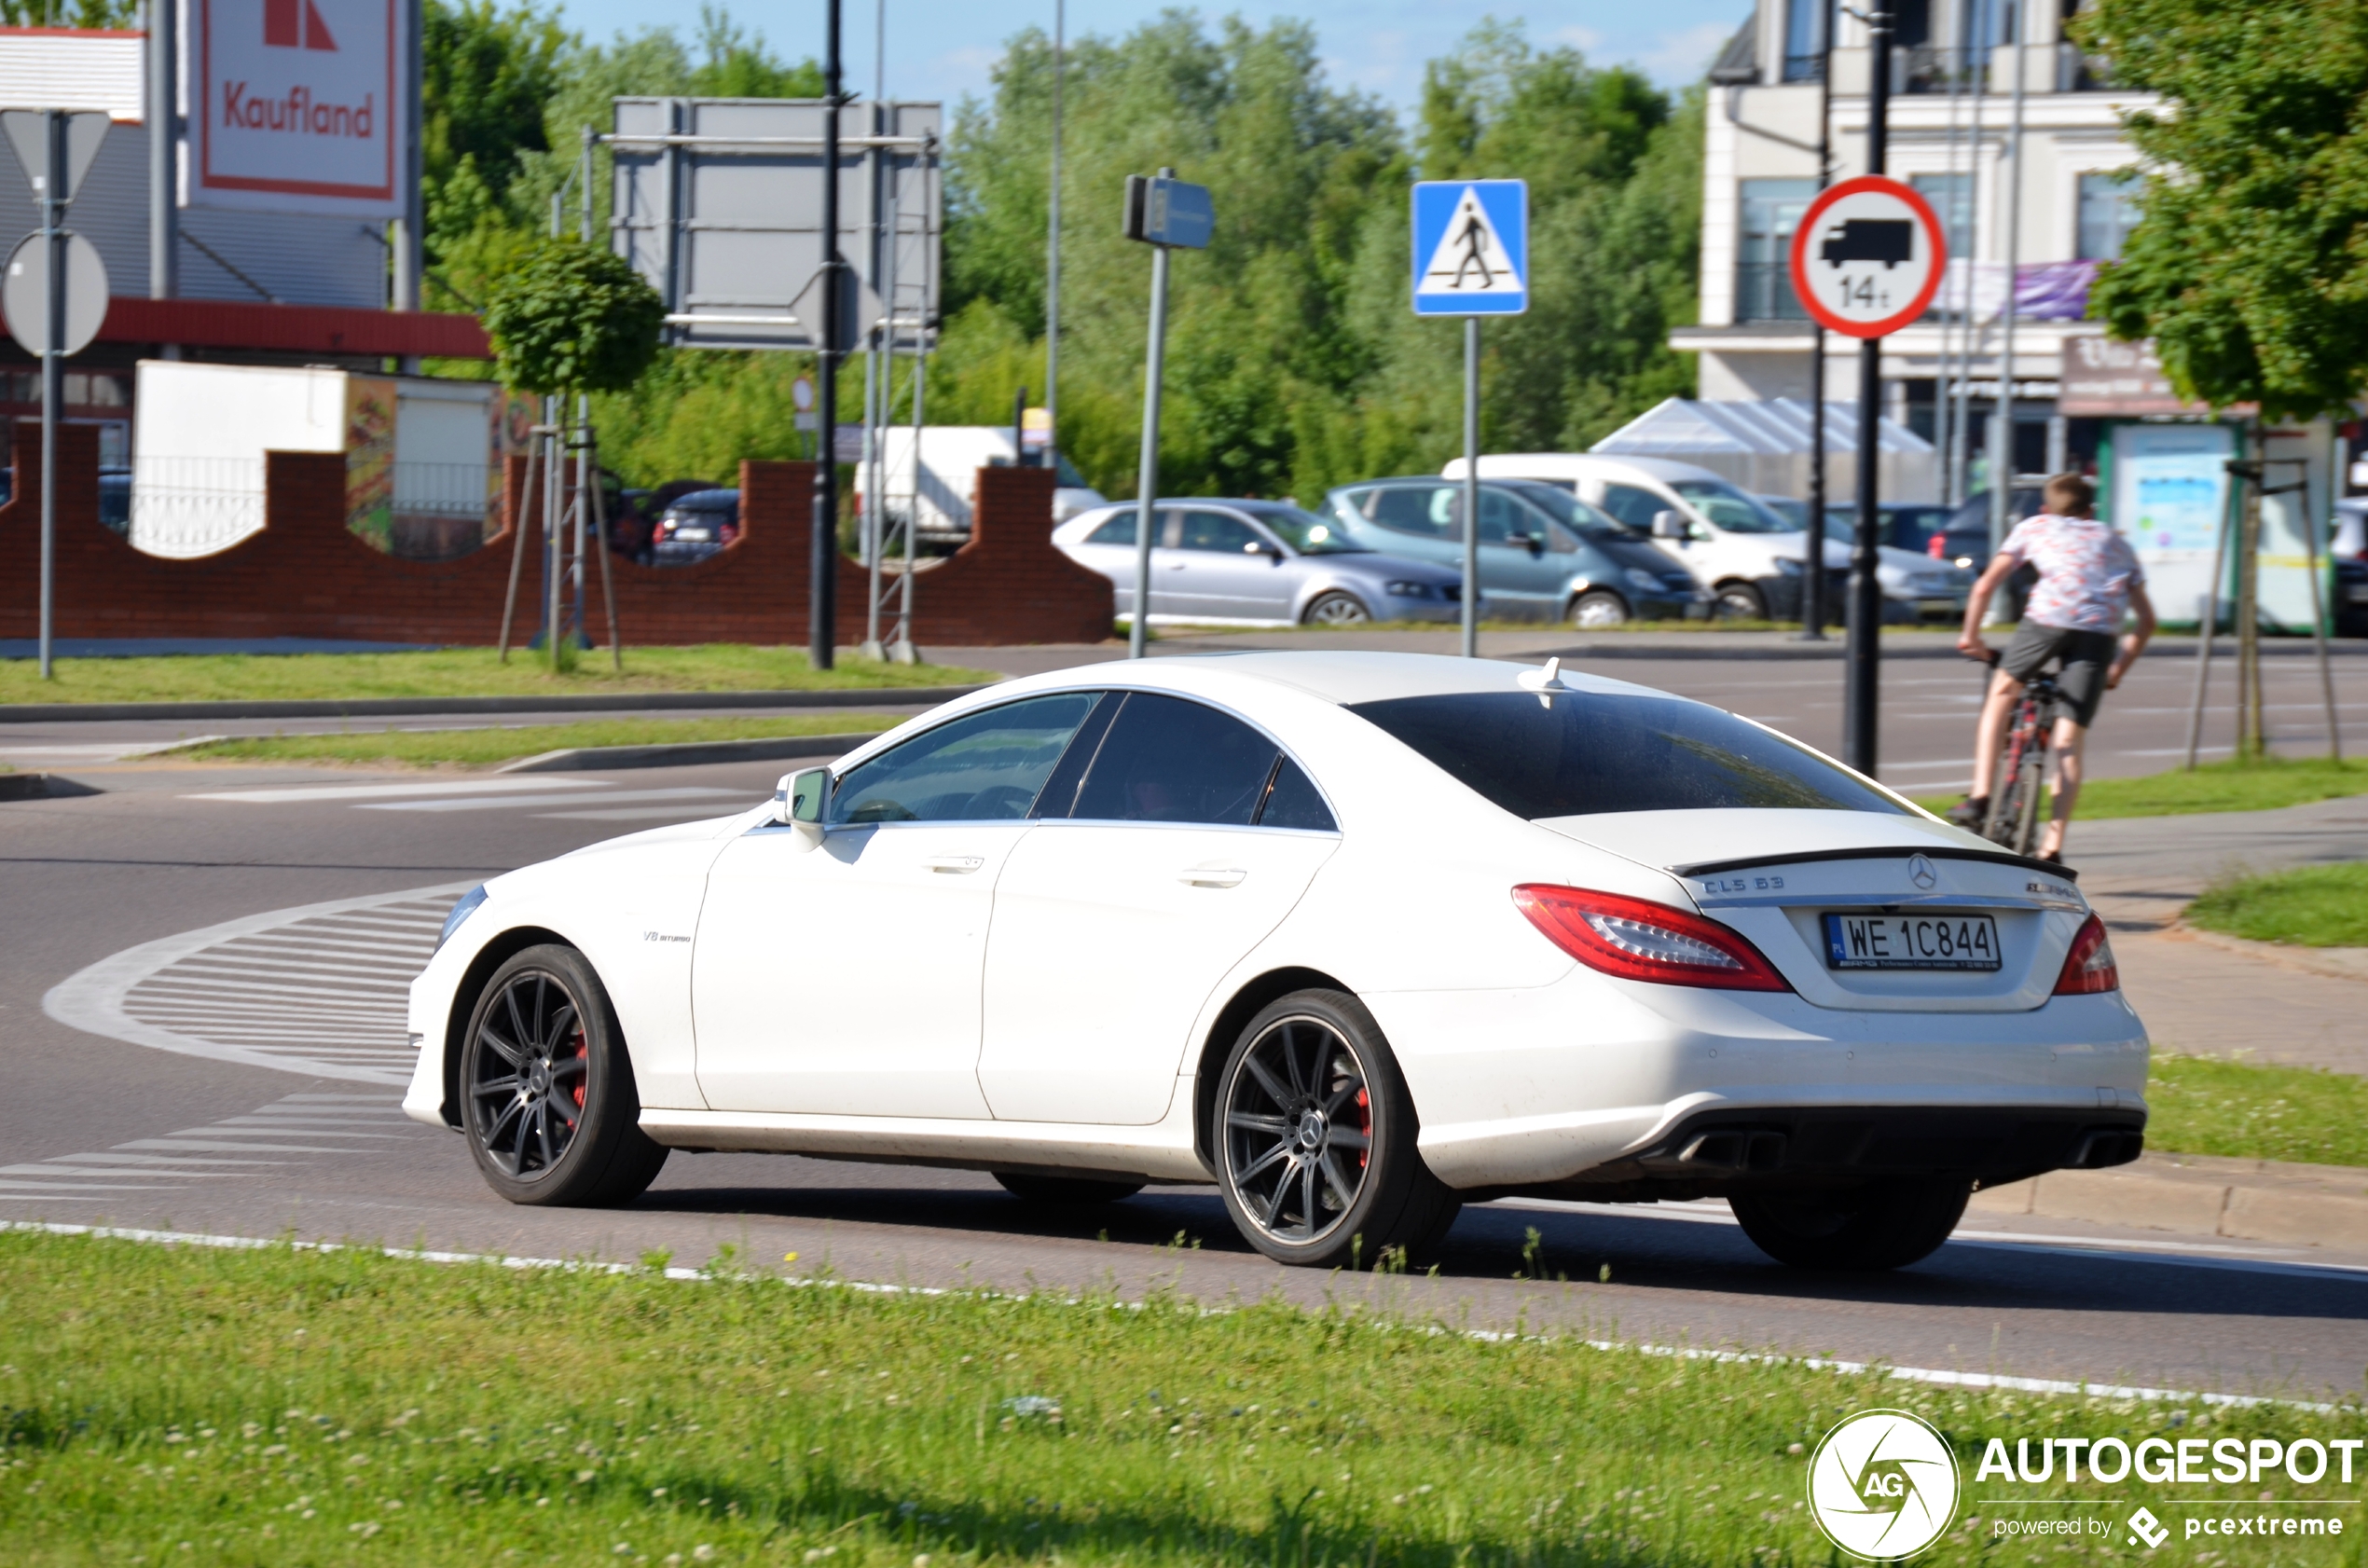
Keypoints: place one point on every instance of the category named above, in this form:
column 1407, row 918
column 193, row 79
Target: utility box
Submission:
column 423, row 457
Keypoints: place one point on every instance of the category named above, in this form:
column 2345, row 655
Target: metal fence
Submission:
column 187, row 507
column 180, row 508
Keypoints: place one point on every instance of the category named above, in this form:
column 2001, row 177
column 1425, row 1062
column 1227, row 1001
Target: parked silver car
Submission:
column 1260, row 563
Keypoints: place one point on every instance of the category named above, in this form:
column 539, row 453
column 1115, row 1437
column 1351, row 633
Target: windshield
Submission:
column 1303, row 532
column 1729, row 508
column 1601, row 751
column 1571, row 512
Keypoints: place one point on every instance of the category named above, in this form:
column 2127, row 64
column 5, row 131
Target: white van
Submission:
column 951, row 457
column 1746, row 554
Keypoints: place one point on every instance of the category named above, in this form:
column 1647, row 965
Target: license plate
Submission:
column 1911, row 941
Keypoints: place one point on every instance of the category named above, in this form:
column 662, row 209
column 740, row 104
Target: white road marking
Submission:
column 195, row 1154
column 634, row 813
column 229, row 991
column 396, row 792
column 686, row 792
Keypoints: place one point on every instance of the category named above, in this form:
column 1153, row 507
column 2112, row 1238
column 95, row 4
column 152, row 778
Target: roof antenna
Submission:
column 1544, row 682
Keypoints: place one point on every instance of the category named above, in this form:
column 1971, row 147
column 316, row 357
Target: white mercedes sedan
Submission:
column 1357, row 938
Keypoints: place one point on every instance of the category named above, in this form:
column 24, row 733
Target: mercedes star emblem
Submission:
column 1921, row 871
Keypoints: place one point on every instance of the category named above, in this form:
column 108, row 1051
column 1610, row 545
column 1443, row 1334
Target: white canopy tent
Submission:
column 1764, row 446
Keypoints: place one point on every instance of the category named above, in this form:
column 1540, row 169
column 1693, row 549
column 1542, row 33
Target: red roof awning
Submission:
column 321, row 329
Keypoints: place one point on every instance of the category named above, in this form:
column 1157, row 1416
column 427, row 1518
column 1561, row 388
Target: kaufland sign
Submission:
column 298, row 105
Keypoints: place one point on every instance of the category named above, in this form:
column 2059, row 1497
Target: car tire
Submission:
column 1738, row 601
column 1309, row 1082
column 547, row 1098
column 1065, row 1192
column 1336, row 610
column 1599, row 610
column 1888, row 1225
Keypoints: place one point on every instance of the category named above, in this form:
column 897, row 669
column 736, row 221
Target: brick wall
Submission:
column 306, row 576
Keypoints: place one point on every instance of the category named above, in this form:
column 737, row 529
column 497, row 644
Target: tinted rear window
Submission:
column 1604, row 752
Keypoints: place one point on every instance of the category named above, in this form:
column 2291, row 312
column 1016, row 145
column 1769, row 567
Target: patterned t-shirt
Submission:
column 2086, row 571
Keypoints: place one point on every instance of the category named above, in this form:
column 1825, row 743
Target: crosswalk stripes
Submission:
column 320, row 989
column 260, row 1145
column 546, row 797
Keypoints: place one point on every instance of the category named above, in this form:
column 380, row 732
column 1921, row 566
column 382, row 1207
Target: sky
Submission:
column 944, row 48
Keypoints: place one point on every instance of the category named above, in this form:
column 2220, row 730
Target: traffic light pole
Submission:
column 1862, row 664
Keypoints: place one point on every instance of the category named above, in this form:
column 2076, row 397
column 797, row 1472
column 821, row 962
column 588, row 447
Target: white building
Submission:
column 1953, row 71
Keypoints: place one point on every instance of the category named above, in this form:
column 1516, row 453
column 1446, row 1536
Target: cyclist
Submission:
column 2089, row 580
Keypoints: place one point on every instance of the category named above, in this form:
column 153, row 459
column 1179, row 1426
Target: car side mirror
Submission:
column 1261, row 547
column 798, row 802
column 1668, row 525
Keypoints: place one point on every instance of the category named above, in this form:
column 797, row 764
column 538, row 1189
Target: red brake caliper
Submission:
column 582, row 1050
column 1365, row 1125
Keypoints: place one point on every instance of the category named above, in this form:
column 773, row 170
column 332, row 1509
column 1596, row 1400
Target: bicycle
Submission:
column 2021, row 775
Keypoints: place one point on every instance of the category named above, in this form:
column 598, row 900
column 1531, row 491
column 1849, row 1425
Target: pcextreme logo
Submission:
column 1883, row 1485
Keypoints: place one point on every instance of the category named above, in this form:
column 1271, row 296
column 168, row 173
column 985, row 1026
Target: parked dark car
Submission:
column 696, row 527
column 1544, row 553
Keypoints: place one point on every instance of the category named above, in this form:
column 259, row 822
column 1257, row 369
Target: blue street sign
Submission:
column 1471, row 247
column 1164, row 210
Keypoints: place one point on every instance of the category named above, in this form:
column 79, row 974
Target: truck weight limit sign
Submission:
column 1867, row 256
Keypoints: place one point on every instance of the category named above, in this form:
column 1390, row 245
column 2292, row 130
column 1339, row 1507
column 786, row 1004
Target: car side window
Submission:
column 984, row 766
column 1167, row 759
column 1119, row 529
column 1634, row 506
column 1422, row 510
column 1219, row 532
column 1292, row 801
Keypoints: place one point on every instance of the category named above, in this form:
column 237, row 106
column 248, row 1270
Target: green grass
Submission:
column 2231, row 786
column 2312, row 907
column 492, row 747
column 2202, row 1105
column 202, row 1406
column 453, row 672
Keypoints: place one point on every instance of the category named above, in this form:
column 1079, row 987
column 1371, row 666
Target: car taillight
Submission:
column 1638, row 939
column 2089, row 968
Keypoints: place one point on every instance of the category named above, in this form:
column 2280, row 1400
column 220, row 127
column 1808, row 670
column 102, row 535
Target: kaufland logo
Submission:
column 293, row 24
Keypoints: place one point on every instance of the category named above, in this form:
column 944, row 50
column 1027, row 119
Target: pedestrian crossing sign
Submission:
column 1471, row 247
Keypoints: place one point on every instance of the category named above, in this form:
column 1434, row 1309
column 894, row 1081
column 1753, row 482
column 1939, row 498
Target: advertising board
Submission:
column 297, row 105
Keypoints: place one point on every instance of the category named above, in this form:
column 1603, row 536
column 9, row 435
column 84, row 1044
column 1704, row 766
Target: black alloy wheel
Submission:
column 548, row 1099
column 1885, row 1226
column 1315, row 1139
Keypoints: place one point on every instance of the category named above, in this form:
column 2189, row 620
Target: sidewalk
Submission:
column 2201, row 995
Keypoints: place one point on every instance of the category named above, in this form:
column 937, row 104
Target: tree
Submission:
column 573, row 319
column 2249, row 267
column 485, row 76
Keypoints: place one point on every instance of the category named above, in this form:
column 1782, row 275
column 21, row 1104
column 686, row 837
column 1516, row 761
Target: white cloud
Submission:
column 1586, row 40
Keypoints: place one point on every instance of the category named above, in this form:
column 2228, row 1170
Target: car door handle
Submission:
column 1212, row 876
column 955, row 865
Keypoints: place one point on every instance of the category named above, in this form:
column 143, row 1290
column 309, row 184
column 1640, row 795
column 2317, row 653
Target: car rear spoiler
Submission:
column 1936, row 851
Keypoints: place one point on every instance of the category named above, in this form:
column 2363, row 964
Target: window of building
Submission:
column 2107, row 212
column 1805, row 38
column 1771, row 210
column 1952, row 201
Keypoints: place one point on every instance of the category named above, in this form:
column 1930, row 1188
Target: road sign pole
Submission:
column 1863, row 686
column 52, row 371
column 1147, row 471
column 822, row 600
column 1471, row 486
column 1813, row 607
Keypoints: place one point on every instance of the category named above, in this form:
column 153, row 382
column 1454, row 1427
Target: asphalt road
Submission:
column 95, row 1128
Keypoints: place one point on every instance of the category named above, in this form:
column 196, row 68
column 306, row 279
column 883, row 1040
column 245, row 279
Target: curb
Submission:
column 2199, row 1195
column 869, row 697
column 2338, row 963
column 690, row 753
column 41, row 786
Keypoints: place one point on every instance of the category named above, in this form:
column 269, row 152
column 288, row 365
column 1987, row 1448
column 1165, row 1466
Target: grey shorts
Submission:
column 2085, row 655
